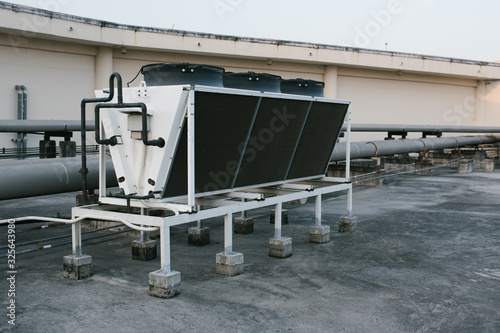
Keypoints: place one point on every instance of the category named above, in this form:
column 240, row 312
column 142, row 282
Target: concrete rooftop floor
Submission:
column 425, row 258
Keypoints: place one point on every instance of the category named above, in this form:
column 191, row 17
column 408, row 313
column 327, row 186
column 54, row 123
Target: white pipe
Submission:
column 78, row 219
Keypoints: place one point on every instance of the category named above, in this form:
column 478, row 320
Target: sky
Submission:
column 448, row 28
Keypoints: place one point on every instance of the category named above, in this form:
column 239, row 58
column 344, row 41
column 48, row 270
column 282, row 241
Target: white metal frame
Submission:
column 216, row 210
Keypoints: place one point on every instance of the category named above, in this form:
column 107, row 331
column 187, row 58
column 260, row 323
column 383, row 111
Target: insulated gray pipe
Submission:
column 31, row 177
column 31, row 126
column 27, row 126
column 391, row 147
column 421, row 128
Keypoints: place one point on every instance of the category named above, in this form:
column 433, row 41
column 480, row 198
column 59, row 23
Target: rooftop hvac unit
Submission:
column 207, row 140
column 203, row 151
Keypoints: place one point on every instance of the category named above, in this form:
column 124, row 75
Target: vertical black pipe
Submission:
column 84, row 171
column 19, row 89
column 25, row 117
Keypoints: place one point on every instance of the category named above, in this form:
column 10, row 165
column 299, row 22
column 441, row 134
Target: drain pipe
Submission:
column 25, row 117
column 22, row 98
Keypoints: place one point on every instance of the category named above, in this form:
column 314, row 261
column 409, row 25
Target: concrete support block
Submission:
column 229, row 265
column 348, row 224
column 243, row 225
column 320, row 234
column 280, row 248
column 199, row 236
column 164, row 285
column 144, row 250
column 93, row 199
column 360, row 167
column 284, row 216
column 488, row 165
column 465, row 166
column 67, row 148
column 77, row 268
column 48, row 149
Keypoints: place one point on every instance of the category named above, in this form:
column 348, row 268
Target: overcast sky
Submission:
column 449, row 28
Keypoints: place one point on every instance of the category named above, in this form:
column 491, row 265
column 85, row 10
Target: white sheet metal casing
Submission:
column 141, row 169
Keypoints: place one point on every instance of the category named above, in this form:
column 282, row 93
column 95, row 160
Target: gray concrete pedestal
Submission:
column 144, row 250
column 488, row 165
column 348, row 224
column 284, row 216
column 465, row 166
column 319, row 234
column 48, row 149
column 164, row 285
column 229, row 265
column 243, row 225
column 280, row 248
column 199, row 236
column 77, row 268
column 67, row 149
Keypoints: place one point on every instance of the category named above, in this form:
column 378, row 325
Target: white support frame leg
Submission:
column 349, row 202
column 318, row 211
column 165, row 248
column 143, row 236
column 277, row 220
column 190, row 150
column 228, row 234
column 76, row 231
column 348, row 163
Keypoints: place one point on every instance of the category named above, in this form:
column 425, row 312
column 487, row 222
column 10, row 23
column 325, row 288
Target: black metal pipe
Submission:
column 160, row 142
column 25, row 116
column 84, row 171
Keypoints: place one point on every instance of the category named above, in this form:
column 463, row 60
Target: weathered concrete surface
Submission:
column 423, row 259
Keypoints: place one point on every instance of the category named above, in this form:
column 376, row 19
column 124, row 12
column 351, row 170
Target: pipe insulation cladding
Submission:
column 31, row 126
column 391, row 147
column 32, row 177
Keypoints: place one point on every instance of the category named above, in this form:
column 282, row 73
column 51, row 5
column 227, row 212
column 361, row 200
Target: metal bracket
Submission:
column 403, row 134
column 437, row 134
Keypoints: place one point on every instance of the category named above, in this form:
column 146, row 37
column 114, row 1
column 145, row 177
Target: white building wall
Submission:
column 396, row 100
column 55, row 82
column 66, row 58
